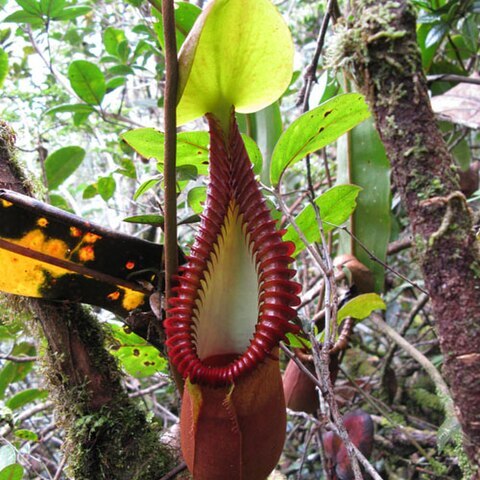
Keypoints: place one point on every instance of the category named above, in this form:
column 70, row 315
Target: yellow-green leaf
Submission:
column 316, row 129
column 239, row 53
column 361, row 307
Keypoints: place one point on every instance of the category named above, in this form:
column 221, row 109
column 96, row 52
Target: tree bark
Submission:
column 381, row 47
column 107, row 435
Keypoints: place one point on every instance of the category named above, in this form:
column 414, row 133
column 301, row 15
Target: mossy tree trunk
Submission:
column 387, row 67
column 108, row 436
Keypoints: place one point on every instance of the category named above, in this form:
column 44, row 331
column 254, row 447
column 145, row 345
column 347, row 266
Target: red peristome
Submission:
column 232, row 179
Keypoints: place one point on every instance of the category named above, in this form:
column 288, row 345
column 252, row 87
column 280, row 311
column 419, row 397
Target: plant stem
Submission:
column 170, row 118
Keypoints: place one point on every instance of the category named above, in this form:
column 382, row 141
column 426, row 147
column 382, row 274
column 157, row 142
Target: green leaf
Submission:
column 20, row 16
column 124, row 51
column 145, row 186
column 30, row 6
column 114, row 83
column 80, row 117
column 60, row 202
column 70, row 108
column 12, row 371
column 26, row 396
column 252, row 68
column 69, row 13
column 192, row 148
column 428, row 53
column 120, row 70
column 7, row 456
column 296, row 341
column 137, row 357
column 26, row 435
column 436, row 34
column 362, row 161
column 3, row 66
column 148, row 219
column 106, row 187
column 87, row 81
column 316, row 129
column 253, row 152
column 265, row 127
column 196, row 197
column 60, row 164
column 12, row 472
column 335, row 205
column 361, row 307
column 127, row 168
column 448, row 430
column 52, row 7
column 185, row 16
column 112, row 38
column 90, row 191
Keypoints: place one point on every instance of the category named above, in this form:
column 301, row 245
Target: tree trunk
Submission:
column 107, row 435
column 381, row 45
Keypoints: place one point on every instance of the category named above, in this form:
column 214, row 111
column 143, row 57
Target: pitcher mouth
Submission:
column 235, row 294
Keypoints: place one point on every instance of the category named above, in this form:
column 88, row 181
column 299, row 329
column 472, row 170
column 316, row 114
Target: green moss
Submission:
column 115, row 442
column 427, row 399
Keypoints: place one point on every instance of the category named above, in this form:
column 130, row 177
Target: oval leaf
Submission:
column 137, row 356
column 361, row 307
column 336, row 205
column 26, row 396
column 148, row 219
column 87, row 81
column 196, row 197
column 60, row 164
column 26, row 435
column 112, row 37
column 12, row 472
column 316, row 129
column 70, row 108
column 252, row 68
column 192, row 148
column 106, row 187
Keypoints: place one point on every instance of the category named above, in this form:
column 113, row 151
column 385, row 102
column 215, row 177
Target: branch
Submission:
column 170, row 116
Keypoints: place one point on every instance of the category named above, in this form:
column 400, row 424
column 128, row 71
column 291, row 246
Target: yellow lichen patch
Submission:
column 91, row 237
column 86, row 254
column 37, row 241
column 132, row 299
column 75, row 232
column 114, row 295
column 23, row 275
column 42, row 222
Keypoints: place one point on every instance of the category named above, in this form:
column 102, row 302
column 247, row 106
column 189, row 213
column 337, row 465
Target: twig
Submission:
column 59, row 471
column 22, row 359
column 175, row 471
column 419, row 357
column 25, row 415
column 310, row 74
column 300, row 365
column 399, row 245
column 422, row 301
column 383, row 264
